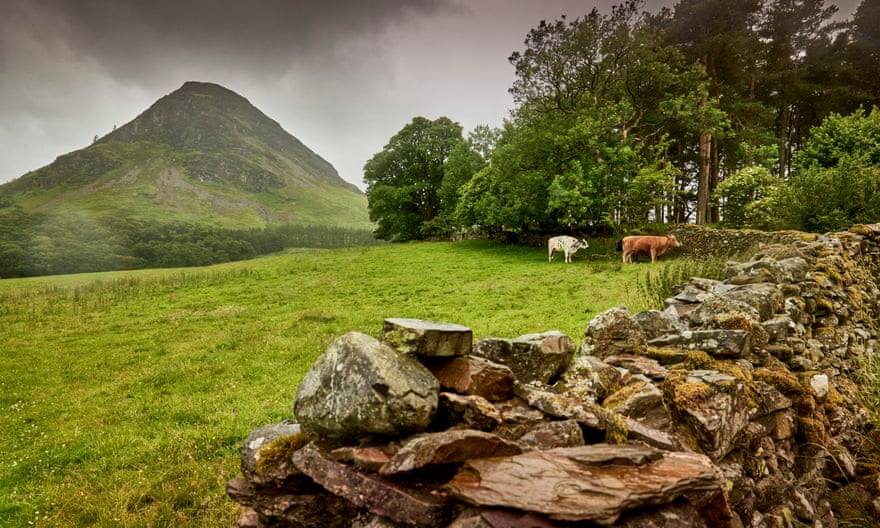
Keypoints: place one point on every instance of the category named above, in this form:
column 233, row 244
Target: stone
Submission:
column 642, row 401
column 379, row 496
column 365, row 458
column 722, row 344
column 309, row 509
column 590, row 483
column 704, row 316
column 493, row 518
column 361, row 387
column 447, row 447
column 639, row 365
column 656, row 323
column 475, row 376
column 280, row 469
column 549, row 435
column 778, row 328
column 612, row 332
column 766, row 298
column 532, row 357
column 675, row 515
column 427, row 338
column 474, row 412
column 711, row 405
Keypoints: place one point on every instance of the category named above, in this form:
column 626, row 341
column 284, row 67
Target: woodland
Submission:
column 737, row 113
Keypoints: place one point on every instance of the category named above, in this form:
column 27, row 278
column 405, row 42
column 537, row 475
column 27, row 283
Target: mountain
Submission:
column 202, row 154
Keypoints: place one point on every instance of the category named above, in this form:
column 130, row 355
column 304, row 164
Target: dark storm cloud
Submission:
column 343, row 76
column 125, row 36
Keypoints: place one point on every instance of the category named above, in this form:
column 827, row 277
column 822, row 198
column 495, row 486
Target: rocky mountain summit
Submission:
column 735, row 405
column 201, row 153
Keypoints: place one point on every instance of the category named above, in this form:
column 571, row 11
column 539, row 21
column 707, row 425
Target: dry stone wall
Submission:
column 735, row 405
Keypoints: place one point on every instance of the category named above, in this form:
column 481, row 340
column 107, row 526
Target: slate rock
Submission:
column 361, row 387
column 612, row 332
column 475, row 376
column 532, row 357
column 711, row 405
column 307, row 509
column 589, row 483
column 656, row 323
column 427, row 338
column 263, row 437
column 447, row 447
column 550, row 435
column 723, row 344
column 381, row 497
column 472, row 411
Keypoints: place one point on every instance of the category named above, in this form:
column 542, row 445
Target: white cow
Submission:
column 567, row 244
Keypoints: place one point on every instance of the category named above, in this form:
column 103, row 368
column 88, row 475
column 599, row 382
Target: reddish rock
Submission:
column 366, row 458
column 550, row 435
column 474, row 412
column 532, row 357
column 447, row 447
column 589, row 483
column 404, row 505
column 475, row 376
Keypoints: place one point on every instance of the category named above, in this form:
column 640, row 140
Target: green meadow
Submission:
column 125, row 396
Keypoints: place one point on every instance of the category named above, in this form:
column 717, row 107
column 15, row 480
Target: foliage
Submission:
column 836, row 181
column 595, row 96
column 658, row 283
column 407, row 182
column 44, row 244
column 819, row 200
column 749, row 198
column 126, row 396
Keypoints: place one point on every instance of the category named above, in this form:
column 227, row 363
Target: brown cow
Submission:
column 655, row 246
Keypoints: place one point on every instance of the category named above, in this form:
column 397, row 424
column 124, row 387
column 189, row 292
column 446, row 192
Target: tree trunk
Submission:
column 704, row 182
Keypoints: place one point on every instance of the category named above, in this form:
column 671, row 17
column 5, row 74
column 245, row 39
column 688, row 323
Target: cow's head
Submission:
column 581, row 243
column 673, row 242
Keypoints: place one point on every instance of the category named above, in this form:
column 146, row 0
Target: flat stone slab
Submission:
column 427, row 338
column 403, row 505
column 447, row 447
column 590, row 483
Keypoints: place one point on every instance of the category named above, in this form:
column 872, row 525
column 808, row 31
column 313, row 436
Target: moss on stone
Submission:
column 741, row 321
column 665, row 355
column 812, row 431
column 280, row 450
column 623, row 394
column 400, row 340
column 786, row 382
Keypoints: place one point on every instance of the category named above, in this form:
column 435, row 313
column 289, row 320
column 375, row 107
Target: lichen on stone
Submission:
column 276, row 452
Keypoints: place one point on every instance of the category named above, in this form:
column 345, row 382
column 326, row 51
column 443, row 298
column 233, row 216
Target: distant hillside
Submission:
column 200, row 177
column 202, row 154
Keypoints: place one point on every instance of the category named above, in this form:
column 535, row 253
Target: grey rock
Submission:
column 361, row 387
column 427, row 338
column 532, row 357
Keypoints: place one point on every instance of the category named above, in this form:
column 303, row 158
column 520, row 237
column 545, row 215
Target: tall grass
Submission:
column 657, row 283
column 125, row 396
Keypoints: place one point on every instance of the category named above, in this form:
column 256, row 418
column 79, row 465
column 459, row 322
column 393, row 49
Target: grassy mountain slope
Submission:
column 201, row 154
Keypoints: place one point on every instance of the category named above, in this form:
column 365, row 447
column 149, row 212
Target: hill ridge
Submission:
column 229, row 165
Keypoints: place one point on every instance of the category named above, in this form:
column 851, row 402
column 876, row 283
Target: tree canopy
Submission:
column 708, row 111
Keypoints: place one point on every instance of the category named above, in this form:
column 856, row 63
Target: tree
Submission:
column 835, row 181
column 595, row 97
column 404, row 180
column 864, row 51
column 797, row 34
column 718, row 35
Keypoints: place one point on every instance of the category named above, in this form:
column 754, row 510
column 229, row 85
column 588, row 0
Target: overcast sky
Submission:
column 343, row 76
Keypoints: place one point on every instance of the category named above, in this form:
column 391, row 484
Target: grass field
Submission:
column 124, row 397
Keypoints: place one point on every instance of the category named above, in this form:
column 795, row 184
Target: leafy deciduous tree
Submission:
column 404, row 180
